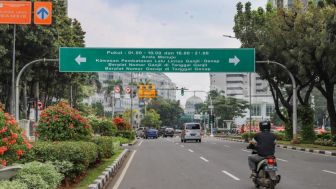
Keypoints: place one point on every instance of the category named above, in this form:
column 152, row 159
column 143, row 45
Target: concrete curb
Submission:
column 130, row 144
column 109, row 172
column 323, row 152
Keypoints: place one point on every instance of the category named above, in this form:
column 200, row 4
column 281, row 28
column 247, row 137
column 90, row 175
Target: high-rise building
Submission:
column 237, row 85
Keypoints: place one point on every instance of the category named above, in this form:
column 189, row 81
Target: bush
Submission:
column 121, row 124
column 326, row 136
column 63, row 167
column 39, row 175
column 61, row 122
column 121, row 140
column 246, row 135
column 13, row 144
column 280, row 135
column 15, row 184
column 80, row 154
column 105, row 146
column 102, row 126
column 126, row 134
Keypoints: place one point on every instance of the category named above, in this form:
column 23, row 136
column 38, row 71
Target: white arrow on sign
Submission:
column 234, row 60
column 80, row 59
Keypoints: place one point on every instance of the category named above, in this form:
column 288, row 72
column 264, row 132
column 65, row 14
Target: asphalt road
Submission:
column 215, row 164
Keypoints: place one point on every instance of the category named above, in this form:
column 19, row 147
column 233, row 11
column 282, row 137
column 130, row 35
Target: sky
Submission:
column 160, row 24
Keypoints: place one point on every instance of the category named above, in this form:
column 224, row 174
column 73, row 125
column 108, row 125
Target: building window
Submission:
column 255, row 110
column 269, row 109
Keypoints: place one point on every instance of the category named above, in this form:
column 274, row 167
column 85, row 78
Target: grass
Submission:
column 311, row 146
column 93, row 173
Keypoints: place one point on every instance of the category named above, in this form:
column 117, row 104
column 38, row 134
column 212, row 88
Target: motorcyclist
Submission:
column 263, row 145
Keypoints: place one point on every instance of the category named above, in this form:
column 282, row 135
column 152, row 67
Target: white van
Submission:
column 191, row 131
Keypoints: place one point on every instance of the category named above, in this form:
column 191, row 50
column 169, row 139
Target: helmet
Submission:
column 265, row 126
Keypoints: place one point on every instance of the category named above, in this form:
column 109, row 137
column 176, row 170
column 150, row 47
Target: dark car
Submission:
column 169, row 132
column 161, row 131
column 151, row 133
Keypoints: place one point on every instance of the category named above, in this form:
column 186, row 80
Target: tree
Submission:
column 277, row 35
column 151, row 119
column 170, row 111
column 35, row 42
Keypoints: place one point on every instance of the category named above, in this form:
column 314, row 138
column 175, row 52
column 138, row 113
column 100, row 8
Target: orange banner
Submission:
column 15, row 12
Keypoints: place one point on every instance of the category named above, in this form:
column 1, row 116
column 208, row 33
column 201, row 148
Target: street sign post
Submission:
column 43, row 13
column 15, row 12
column 156, row 60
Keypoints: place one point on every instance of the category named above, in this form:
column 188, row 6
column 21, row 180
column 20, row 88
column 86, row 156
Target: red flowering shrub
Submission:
column 13, row 144
column 61, row 123
column 121, row 124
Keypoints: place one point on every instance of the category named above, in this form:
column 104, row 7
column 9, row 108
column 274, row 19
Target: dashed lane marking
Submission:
column 329, row 172
column 230, row 175
column 190, row 150
column 202, row 158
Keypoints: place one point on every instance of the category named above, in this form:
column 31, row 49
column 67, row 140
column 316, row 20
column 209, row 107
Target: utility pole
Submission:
column 132, row 99
column 211, row 115
column 12, row 107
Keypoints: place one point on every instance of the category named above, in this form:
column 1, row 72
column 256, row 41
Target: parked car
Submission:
column 168, row 132
column 151, row 133
column 191, row 131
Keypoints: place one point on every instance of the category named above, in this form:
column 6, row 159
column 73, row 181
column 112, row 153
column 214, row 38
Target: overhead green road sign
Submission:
column 156, row 60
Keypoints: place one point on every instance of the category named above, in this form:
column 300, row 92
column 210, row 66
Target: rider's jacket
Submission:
column 265, row 144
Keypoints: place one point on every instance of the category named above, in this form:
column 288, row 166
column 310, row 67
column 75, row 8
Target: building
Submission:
column 236, row 85
column 190, row 109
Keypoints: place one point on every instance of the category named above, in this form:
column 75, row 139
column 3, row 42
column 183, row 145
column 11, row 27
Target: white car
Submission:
column 191, row 131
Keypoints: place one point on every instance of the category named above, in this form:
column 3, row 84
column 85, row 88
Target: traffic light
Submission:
column 182, row 91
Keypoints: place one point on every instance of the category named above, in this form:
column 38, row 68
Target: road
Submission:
column 215, row 164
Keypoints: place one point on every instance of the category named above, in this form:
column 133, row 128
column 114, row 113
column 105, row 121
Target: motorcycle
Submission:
column 266, row 171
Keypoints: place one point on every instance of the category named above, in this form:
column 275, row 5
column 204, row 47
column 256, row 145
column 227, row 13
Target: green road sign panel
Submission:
column 156, row 60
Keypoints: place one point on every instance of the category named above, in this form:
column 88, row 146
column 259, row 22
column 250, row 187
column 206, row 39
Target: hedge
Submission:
column 105, row 146
column 15, row 184
column 80, row 154
column 126, row 134
column 38, row 175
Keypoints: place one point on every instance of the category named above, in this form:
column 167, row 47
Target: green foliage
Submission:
column 102, row 126
column 61, row 122
column 39, row 175
column 280, row 135
column 15, row 184
column 121, row 140
column 63, row 167
column 98, row 108
column 307, row 120
column 151, row 119
column 13, row 144
column 80, row 154
column 246, row 136
column 170, row 111
column 130, row 135
column 105, row 146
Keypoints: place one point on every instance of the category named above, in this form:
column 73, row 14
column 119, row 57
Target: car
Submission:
column 178, row 131
column 191, row 131
column 168, row 132
column 161, row 131
column 151, row 133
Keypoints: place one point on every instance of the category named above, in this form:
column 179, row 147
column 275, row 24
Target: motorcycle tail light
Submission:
column 271, row 161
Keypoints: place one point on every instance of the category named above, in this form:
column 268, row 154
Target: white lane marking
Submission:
column 246, row 150
column 281, row 159
column 123, row 173
column 230, row 175
column 182, row 146
column 204, row 159
column 226, row 146
column 140, row 143
column 190, row 150
column 329, row 172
